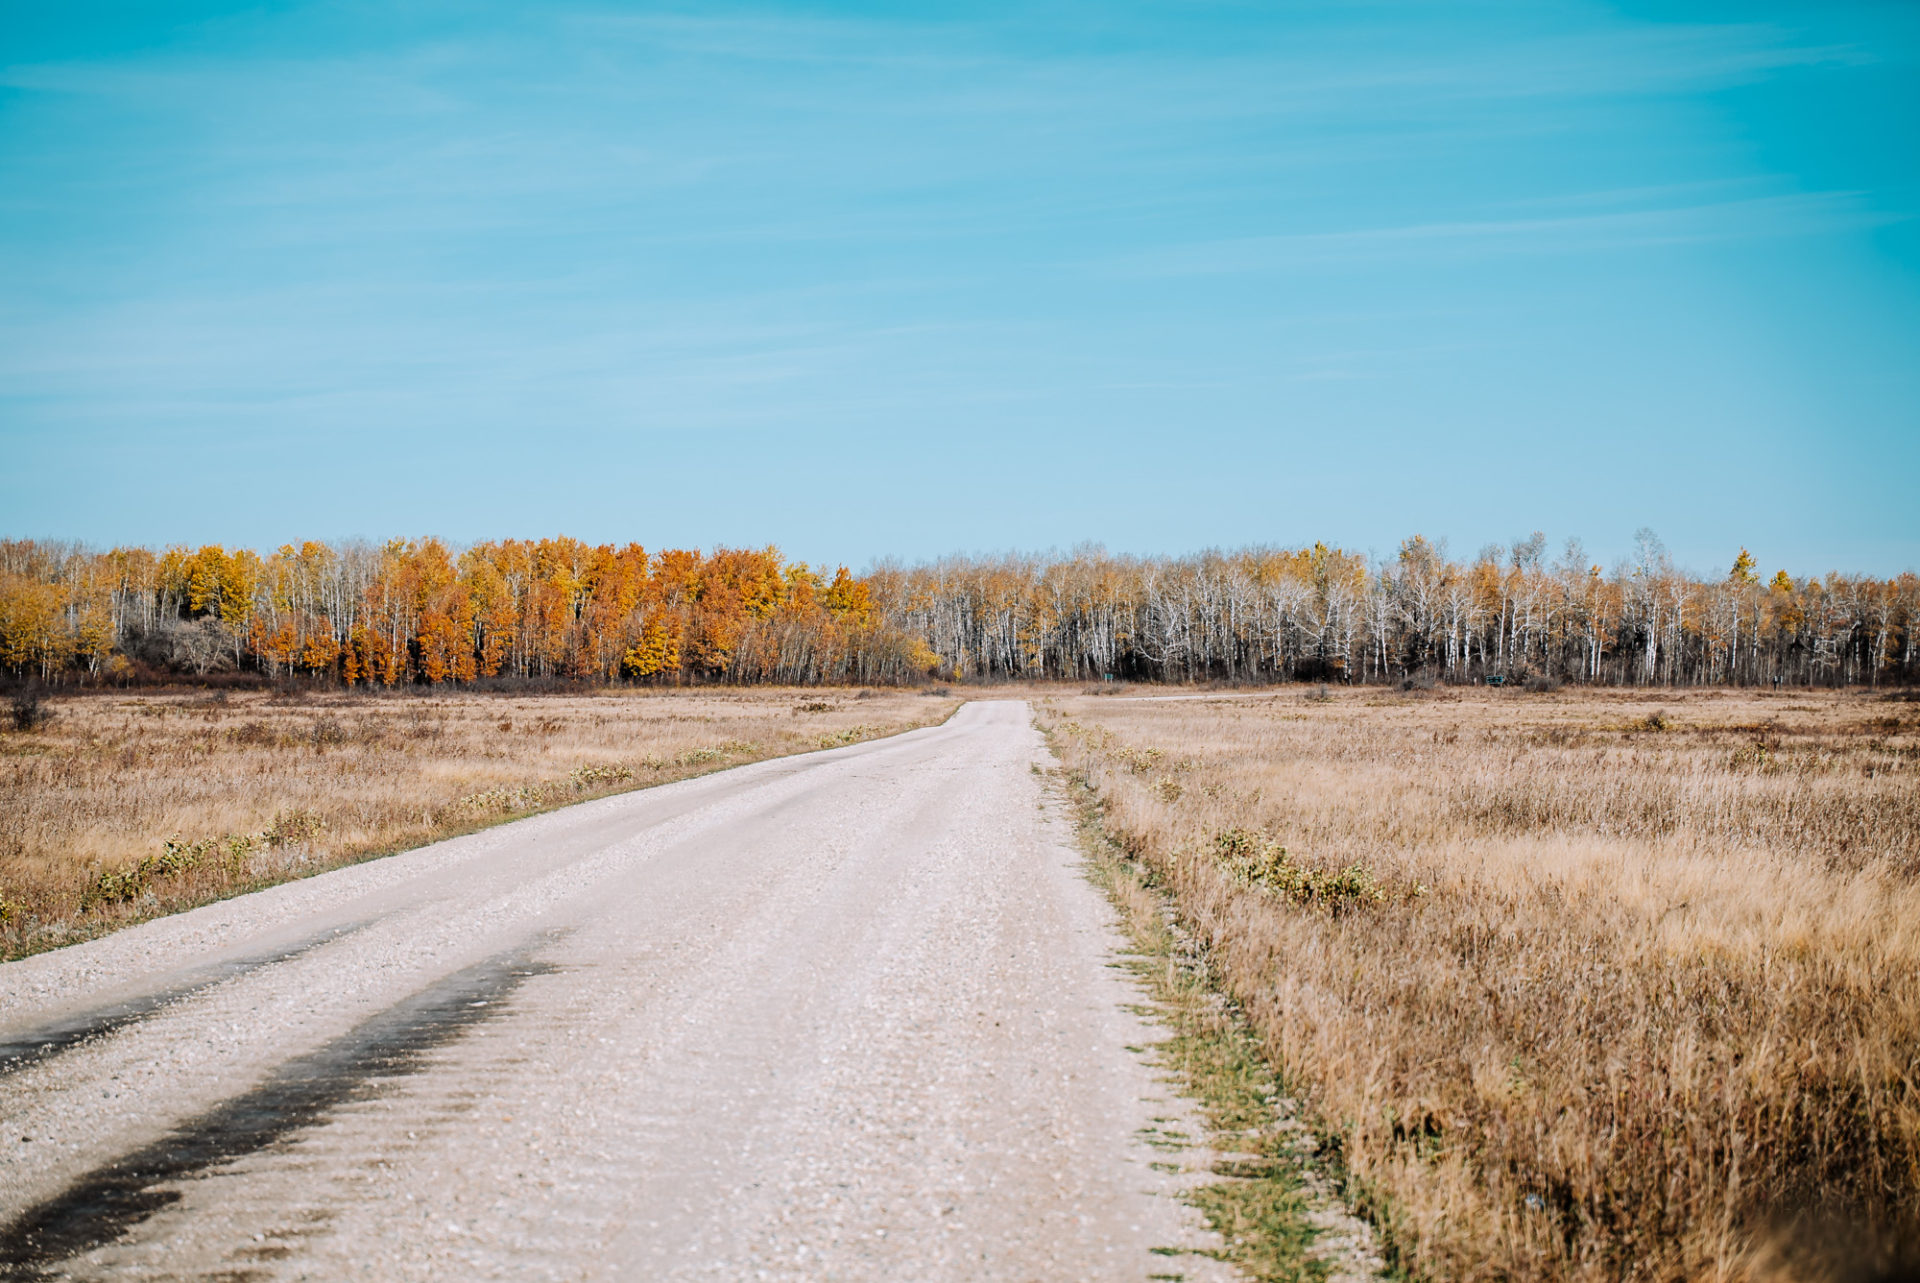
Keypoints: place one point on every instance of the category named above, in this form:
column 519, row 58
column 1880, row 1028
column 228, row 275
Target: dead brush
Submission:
column 1632, row 1001
column 27, row 711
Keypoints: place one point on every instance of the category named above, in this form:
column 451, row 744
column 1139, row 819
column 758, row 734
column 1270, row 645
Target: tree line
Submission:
column 416, row 611
column 1323, row 614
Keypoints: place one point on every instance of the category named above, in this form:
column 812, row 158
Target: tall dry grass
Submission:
column 1628, row 988
column 124, row 806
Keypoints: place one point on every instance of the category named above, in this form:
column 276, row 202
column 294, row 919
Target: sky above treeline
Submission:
column 900, row 280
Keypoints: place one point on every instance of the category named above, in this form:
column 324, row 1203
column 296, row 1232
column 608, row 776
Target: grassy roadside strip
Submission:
column 1578, row 990
column 190, row 875
column 1276, row 1198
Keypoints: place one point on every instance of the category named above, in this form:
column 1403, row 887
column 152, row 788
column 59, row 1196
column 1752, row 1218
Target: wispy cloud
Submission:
column 810, row 221
column 1758, row 217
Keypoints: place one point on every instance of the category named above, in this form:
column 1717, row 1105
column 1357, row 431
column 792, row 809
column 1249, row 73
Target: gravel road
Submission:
column 849, row 1015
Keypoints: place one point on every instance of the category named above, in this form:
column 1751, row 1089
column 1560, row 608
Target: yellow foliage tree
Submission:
column 657, row 652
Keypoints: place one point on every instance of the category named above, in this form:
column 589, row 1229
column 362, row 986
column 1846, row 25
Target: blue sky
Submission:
column 901, row 280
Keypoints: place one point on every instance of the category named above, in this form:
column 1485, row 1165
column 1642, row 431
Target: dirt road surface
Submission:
column 841, row 1016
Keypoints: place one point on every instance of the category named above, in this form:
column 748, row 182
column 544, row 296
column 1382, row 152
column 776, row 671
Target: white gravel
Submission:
column 843, row 1016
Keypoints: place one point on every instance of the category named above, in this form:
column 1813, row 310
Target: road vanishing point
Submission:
column 847, row 1015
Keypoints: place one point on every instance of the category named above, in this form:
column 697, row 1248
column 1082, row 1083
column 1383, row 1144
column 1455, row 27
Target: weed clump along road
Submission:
column 1574, row 985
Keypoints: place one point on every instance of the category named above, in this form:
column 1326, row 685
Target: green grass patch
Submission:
column 1256, row 1202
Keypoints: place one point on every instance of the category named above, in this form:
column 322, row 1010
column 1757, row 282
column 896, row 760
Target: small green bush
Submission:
column 1255, row 861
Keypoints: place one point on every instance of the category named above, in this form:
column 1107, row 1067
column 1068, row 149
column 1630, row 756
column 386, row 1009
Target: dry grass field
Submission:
column 1579, row 985
column 124, row 806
